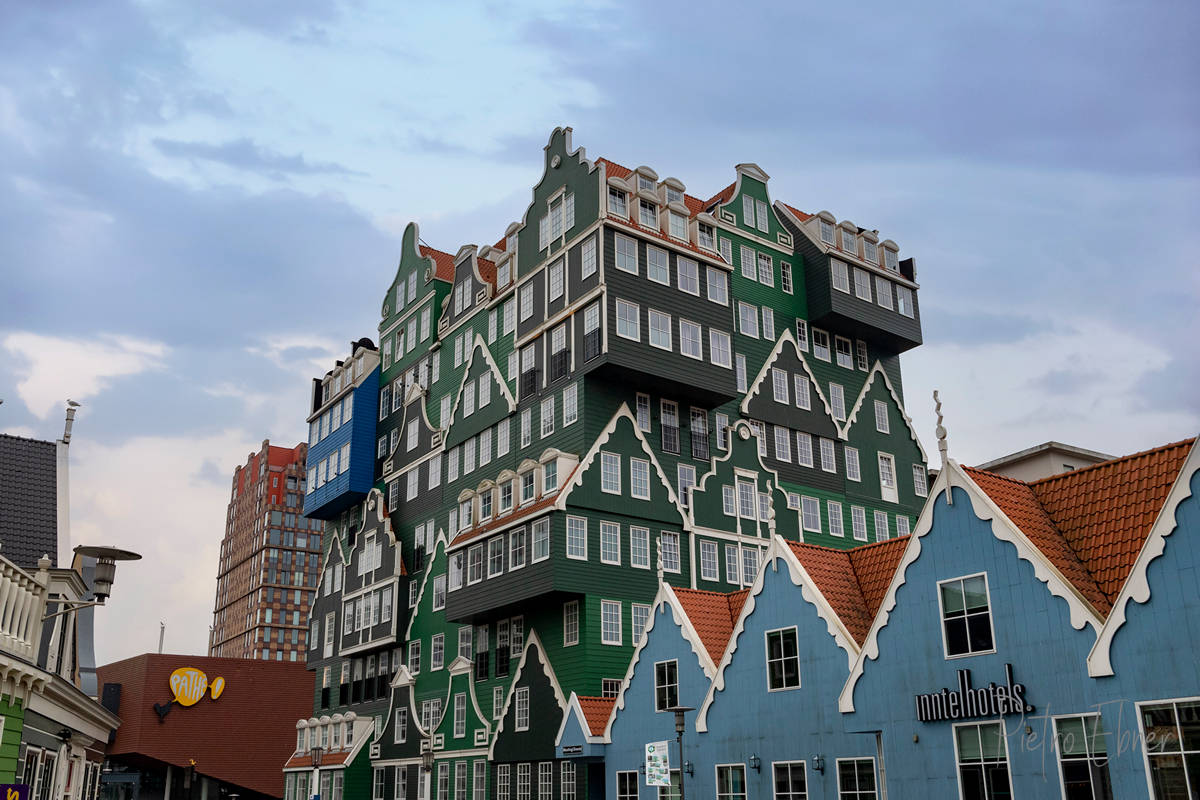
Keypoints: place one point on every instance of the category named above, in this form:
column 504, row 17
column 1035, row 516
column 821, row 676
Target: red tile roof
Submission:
column 713, row 615
column 327, row 759
column 1092, row 522
column 596, row 711
column 443, row 263
column 487, row 270
column 241, row 738
column 852, row 581
column 722, row 197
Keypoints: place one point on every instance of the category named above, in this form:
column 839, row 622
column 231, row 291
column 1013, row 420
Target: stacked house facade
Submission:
column 546, row 434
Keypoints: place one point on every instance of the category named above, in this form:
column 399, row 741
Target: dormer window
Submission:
column 527, row 486
column 503, row 275
column 464, row 515
column 645, row 184
column 550, row 476
column 617, row 202
column 510, row 244
column 891, row 259
column 870, row 251
column 706, row 237
column 485, row 506
column 673, row 195
column 678, row 226
column 647, row 214
column 827, row 232
column 849, row 242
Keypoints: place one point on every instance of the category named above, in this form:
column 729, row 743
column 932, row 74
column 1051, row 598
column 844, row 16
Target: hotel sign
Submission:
column 967, row 702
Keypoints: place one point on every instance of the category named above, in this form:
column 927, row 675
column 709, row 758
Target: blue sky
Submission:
column 201, row 205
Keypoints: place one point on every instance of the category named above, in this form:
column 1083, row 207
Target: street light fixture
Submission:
column 680, row 724
column 102, row 576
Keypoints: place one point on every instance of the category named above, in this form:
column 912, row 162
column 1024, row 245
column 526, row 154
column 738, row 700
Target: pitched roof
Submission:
column 721, row 197
column 28, row 500
column 853, row 581
column 800, row 215
column 443, row 263
column 713, row 615
column 231, row 738
column 487, row 270
column 1091, row 523
column 596, row 711
column 521, row 512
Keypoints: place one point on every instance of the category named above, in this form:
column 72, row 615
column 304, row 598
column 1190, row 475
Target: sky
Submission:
column 201, row 207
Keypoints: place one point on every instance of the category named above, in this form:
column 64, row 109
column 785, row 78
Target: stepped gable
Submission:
column 852, row 581
column 713, row 615
column 1091, row 523
column 596, row 711
column 443, row 263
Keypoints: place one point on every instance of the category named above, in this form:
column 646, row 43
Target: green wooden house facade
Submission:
column 633, row 382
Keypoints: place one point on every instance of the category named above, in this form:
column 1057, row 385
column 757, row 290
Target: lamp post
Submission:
column 315, row 753
column 427, row 764
column 680, row 724
column 102, row 577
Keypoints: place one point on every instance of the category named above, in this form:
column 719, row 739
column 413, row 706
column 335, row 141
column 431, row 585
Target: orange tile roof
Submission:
column 721, row 197
column 800, row 215
column 327, row 759
column 1092, row 522
column 487, row 270
column 713, row 615
column 853, row 581
column 596, row 711
column 443, row 263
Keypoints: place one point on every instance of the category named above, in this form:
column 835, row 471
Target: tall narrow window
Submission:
column 666, row 685
column 982, row 756
column 966, row 616
column 610, row 622
column 783, row 659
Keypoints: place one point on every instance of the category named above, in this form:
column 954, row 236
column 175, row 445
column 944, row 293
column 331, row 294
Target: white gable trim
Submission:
column 1137, row 587
column 479, row 345
column 852, row 417
column 759, row 379
column 799, row 577
column 742, row 430
column 605, row 434
column 439, row 546
column 531, row 641
column 574, row 707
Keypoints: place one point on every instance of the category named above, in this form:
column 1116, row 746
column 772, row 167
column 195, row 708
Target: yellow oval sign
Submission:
column 218, row 686
column 188, row 684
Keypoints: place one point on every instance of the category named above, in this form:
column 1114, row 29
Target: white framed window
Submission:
column 783, row 659
column 610, row 543
column 541, row 541
column 728, row 501
column 660, row 329
column 610, row 473
column 526, row 299
column 903, row 527
column 719, row 348
column 850, row 454
column 749, row 269
column 733, row 572
column 841, row 275
column 766, row 270
column 764, row 222
column 718, row 284
column 837, row 401
column 820, row 344
column 790, row 780
column 881, row 417
column 747, row 319
column 721, row 423
column 862, row 284
column 1083, row 758
column 731, row 781
column 882, row 531
column 588, row 257
column 688, row 275
column 657, row 265
column 647, row 214
column 708, row 561
column 810, row 514
column 966, row 616
column 858, row 522
column 577, row 538
column 547, row 421
column 783, row 443
column 705, row 236
column 639, row 547
column 768, row 324
column 726, row 250
column 628, row 323
column 521, row 715
column 804, row 449
column 643, row 412
column 883, row 292
column 887, row 478
column 904, row 301
column 870, row 251
column 670, row 551
column 626, row 253
column 571, row 623
column 828, row 454
column 803, row 391
column 610, row 622
column 678, row 225
column 849, row 241
column 639, row 614
column 920, row 481
column 555, row 279
column 785, row 276
column 666, row 685
column 856, row 779
column 802, row 335
column 739, row 361
column 862, row 360
column 510, row 316
column 617, row 202
column 981, row 752
column 891, row 259
column 639, row 478
column 833, row 510
column 690, row 339
column 845, row 353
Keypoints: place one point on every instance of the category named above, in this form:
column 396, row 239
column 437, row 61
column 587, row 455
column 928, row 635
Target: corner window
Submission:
column 666, row 685
column 966, row 616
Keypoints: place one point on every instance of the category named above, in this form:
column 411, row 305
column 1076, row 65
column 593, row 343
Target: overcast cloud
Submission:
column 200, row 207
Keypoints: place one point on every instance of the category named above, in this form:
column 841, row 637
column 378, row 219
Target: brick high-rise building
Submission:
column 270, row 560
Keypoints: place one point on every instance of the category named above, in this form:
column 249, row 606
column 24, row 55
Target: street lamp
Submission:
column 102, row 576
column 680, row 724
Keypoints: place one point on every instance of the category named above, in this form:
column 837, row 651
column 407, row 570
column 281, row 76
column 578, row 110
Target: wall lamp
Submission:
column 818, row 763
column 756, row 763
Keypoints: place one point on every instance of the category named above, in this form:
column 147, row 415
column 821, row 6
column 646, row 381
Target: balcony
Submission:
column 22, row 603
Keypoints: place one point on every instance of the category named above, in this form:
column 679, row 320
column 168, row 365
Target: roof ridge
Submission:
column 1065, row 475
column 1000, row 477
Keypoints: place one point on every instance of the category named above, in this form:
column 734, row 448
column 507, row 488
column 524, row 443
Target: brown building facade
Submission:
column 270, row 560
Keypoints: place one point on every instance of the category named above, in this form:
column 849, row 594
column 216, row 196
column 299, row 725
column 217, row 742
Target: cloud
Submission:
column 58, row 368
column 131, row 495
column 247, row 155
column 301, row 354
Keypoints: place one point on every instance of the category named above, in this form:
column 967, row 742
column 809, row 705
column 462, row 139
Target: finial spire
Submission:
column 943, row 442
